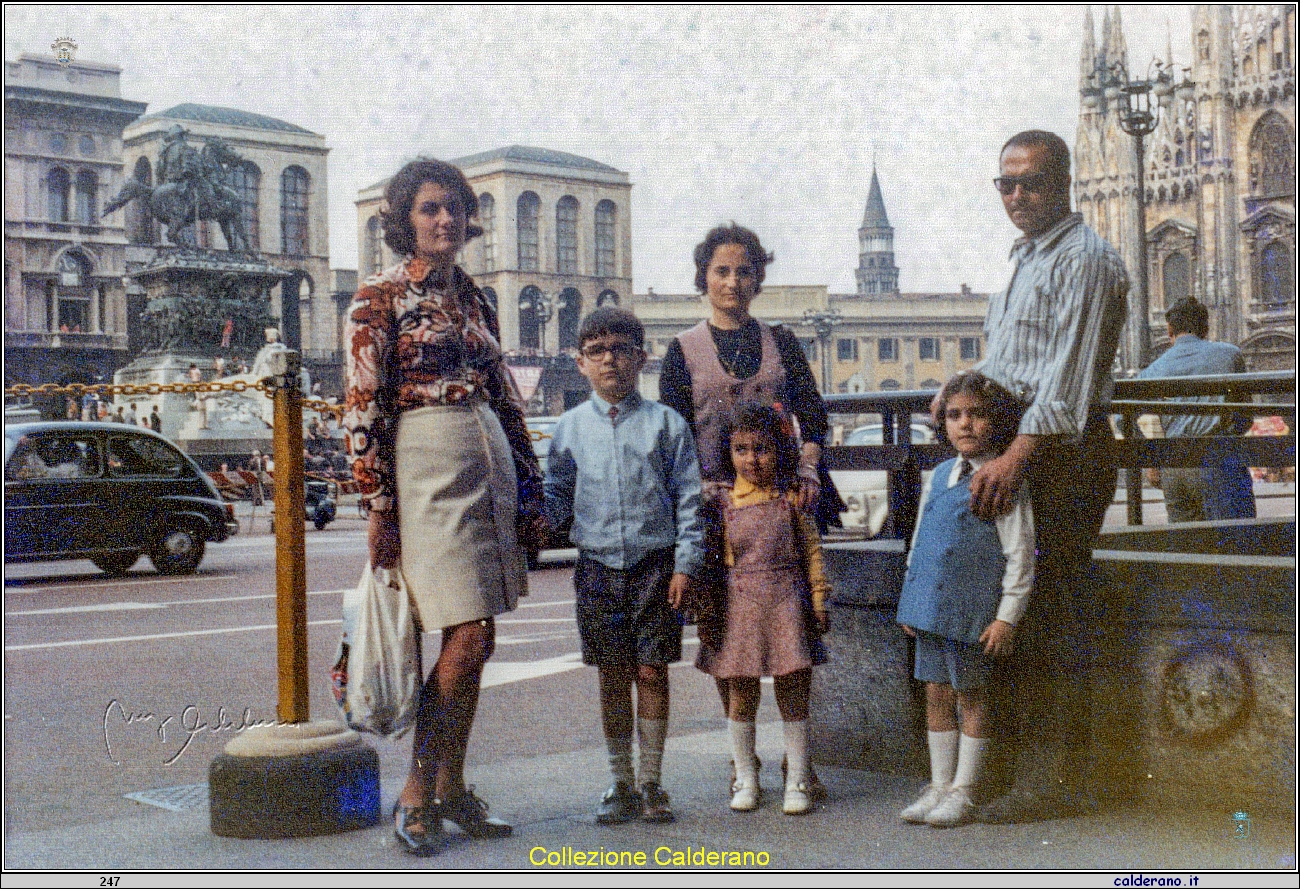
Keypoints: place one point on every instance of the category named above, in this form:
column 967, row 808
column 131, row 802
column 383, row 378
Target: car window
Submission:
column 133, row 456
column 54, row 455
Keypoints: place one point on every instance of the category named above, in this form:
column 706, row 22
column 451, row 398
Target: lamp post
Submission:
column 823, row 322
column 1139, row 118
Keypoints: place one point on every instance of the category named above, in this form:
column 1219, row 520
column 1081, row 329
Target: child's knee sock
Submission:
column 650, row 738
column 970, row 762
column 796, row 751
column 742, row 750
column 943, row 756
column 620, row 760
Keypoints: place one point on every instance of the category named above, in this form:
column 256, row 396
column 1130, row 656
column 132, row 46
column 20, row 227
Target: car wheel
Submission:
column 320, row 522
column 115, row 563
column 178, row 550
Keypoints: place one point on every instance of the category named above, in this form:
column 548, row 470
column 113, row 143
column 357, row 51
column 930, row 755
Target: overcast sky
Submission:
column 769, row 116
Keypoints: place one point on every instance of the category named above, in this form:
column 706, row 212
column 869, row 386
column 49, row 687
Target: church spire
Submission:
column 1118, row 48
column 1088, row 55
column 875, row 215
column 876, row 272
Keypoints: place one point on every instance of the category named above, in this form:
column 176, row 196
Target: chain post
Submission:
column 290, row 544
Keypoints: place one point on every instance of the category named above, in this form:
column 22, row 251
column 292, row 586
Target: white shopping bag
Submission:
column 375, row 678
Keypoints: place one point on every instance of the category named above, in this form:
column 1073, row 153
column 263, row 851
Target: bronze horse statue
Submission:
column 201, row 194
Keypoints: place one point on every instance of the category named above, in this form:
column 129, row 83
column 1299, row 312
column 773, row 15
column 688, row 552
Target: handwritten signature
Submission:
column 184, row 726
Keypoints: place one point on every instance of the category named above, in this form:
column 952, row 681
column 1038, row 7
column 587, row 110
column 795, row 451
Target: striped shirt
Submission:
column 1053, row 333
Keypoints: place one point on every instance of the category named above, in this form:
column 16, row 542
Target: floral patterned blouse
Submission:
column 446, row 350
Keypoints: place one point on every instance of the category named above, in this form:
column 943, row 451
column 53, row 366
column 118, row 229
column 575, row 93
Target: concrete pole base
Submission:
column 294, row 780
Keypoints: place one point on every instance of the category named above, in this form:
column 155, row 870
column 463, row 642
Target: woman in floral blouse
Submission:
column 443, row 457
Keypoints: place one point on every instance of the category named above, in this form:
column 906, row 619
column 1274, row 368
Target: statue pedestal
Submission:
column 204, row 305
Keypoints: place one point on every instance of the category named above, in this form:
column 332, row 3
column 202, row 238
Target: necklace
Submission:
column 729, row 365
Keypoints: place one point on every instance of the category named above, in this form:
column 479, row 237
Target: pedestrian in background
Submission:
column 1220, row 488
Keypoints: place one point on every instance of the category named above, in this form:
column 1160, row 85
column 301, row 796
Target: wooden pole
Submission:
column 290, row 547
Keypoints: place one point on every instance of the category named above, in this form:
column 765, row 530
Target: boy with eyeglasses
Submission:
column 624, row 471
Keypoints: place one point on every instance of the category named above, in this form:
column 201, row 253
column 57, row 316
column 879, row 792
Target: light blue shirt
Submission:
column 631, row 484
column 1191, row 356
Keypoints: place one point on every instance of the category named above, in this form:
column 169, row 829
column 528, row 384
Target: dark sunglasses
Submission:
column 620, row 351
column 1037, row 183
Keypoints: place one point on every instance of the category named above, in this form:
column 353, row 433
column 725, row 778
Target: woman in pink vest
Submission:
column 733, row 357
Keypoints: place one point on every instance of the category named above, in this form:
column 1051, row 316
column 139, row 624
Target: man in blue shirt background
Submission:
column 1221, row 488
column 625, row 472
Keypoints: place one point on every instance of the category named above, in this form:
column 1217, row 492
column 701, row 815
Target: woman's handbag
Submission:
column 376, row 676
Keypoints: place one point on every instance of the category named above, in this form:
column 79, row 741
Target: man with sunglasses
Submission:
column 1052, row 336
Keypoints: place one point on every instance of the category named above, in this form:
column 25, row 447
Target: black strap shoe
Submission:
column 470, row 814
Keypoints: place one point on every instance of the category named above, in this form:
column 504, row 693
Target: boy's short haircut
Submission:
column 1004, row 411
column 611, row 321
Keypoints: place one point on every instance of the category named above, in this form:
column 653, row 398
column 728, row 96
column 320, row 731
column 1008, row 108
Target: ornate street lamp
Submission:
column 823, row 322
column 1139, row 118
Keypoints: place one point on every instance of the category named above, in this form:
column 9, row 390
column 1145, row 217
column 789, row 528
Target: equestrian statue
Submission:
column 191, row 186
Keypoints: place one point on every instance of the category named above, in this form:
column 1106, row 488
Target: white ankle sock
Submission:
column 742, row 750
column 650, row 738
column 943, row 756
column 796, row 752
column 970, row 762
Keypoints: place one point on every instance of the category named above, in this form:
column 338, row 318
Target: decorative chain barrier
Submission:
column 266, row 387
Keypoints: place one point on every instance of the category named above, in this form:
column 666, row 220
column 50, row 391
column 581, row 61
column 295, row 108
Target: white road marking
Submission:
column 106, row 606
column 129, row 606
column 545, row 604
column 506, row 672
column 141, row 580
column 535, row 620
column 79, row 642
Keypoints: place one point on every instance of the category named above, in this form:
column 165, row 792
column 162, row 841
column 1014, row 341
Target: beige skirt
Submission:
column 456, row 500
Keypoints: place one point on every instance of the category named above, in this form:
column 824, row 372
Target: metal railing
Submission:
column 1134, row 398
column 904, row 461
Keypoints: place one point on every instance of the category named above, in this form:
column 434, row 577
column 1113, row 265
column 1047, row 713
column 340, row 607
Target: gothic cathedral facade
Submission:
column 1219, row 178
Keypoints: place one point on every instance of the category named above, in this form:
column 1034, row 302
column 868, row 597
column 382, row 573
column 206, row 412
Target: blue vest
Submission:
column 954, row 583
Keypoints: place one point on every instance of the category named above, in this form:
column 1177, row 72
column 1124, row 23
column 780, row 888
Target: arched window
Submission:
column 140, row 228
column 246, row 180
column 529, row 328
column 87, row 207
column 60, row 184
column 71, row 307
column 487, row 216
column 890, row 385
column 606, row 219
column 566, row 236
column 528, row 207
column 491, row 298
column 374, row 255
column 607, row 298
column 1177, row 278
column 570, row 314
column 1276, row 275
column 294, row 185
column 1272, row 165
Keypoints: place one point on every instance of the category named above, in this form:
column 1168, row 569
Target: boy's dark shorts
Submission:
column 949, row 662
column 624, row 618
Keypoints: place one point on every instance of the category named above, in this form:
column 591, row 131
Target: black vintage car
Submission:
column 107, row 492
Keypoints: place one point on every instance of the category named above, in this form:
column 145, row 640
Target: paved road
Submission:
column 115, row 686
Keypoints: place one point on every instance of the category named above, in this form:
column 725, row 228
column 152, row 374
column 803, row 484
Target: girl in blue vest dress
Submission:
column 775, row 600
column 967, row 583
